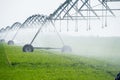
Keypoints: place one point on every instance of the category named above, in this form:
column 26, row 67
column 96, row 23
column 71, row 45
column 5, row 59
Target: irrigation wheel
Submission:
column 10, row 42
column 117, row 77
column 66, row 49
column 2, row 40
column 28, row 48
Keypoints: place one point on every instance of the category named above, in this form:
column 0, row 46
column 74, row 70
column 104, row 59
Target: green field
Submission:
column 48, row 65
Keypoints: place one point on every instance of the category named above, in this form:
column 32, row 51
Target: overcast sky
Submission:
column 12, row 11
column 18, row 10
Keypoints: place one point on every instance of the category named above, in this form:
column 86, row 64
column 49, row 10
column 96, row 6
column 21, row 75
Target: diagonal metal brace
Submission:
column 107, row 7
column 70, row 8
column 83, row 5
column 88, row 6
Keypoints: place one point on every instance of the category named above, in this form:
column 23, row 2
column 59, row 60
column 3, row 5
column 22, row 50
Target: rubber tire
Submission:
column 2, row 41
column 28, row 48
column 10, row 42
column 66, row 49
column 117, row 77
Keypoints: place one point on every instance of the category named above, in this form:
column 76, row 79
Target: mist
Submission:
column 105, row 48
column 101, row 42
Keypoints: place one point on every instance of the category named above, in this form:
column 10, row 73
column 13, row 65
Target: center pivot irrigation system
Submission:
column 5, row 32
column 74, row 10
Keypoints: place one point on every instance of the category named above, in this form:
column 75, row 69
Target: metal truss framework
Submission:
column 15, row 26
column 64, row 10
column 69, row 10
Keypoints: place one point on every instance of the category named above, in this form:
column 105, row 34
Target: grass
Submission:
column 45, row 65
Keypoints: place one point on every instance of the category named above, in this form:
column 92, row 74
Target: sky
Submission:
column 12, row 11
column 18, row 10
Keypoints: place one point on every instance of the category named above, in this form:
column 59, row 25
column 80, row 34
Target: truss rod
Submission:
column 77, row 10
column 16, row 32
column 88, row 6
column 34, row 20
column 67, row 14
column 56, row 11
column 111, row 0
column 87, row 16
column 70, row 8
column 83, row 5
column 21, row 27
column 107, row 7
column 28, row 20
column 59, row 10
column 37, row 32
column 101, row 9
column 58, row 33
